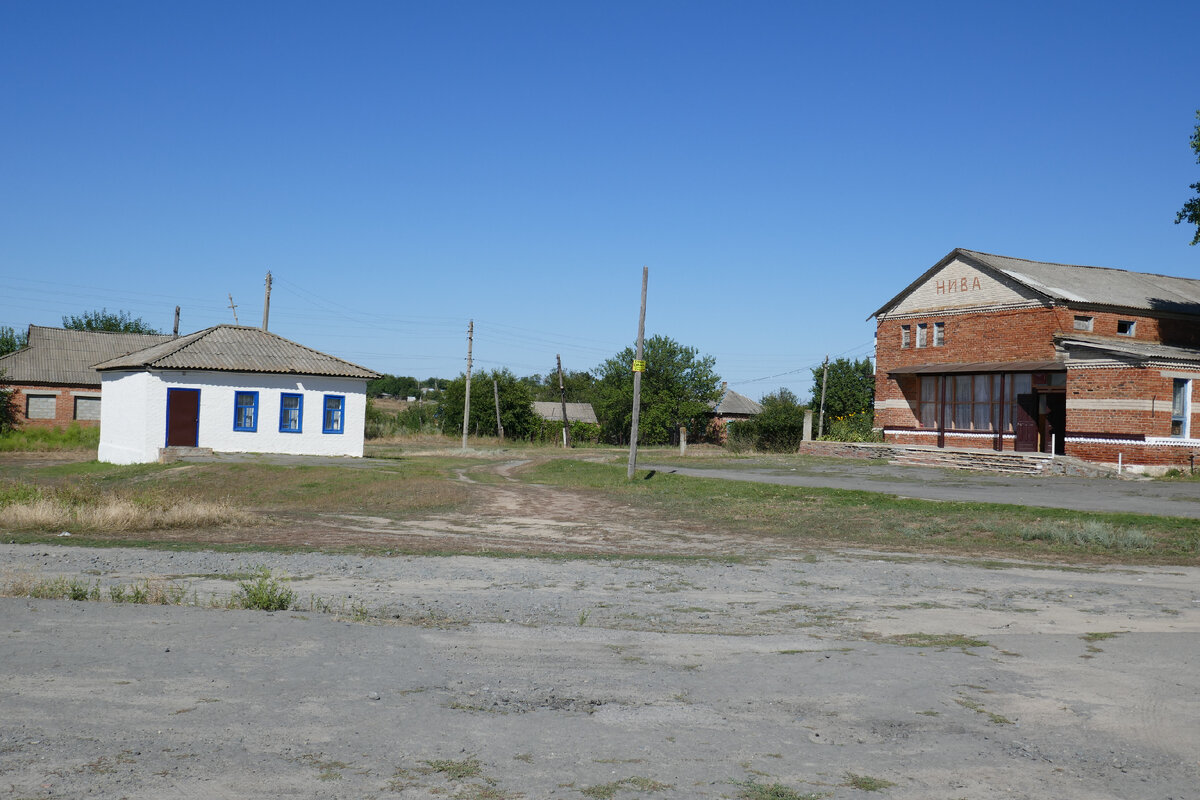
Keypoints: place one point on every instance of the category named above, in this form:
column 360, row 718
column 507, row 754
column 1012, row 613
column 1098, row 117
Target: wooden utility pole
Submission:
column 562, row 393
column 233, row 306
column 639, row 366
column 824, row 380
column 176, row 322
column 467, row 398
column 499, row 424
column 267, row 302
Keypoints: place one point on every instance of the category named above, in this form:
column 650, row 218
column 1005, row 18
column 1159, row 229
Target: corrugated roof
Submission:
column 1099, row 285
column 1079, row 285
column 733, row 403
column 1131, row 349
column 61, row 356
column 576, row 412
column 235, row 348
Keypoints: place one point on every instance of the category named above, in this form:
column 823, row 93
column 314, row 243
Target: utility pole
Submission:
column 824, row 380
column 266, row 302
column 639, row 366
column 499, row 424
column 233, row 306
column 467, row 398
column 562, row 393
column 176, row 322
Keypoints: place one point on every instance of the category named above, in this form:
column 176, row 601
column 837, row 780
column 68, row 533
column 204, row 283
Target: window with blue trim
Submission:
column 291, row 412
column 245, row 411
column 334, row 419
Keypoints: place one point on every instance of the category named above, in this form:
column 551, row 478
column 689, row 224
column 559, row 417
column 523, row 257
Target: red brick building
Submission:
column 53, row 374
column 986, row 351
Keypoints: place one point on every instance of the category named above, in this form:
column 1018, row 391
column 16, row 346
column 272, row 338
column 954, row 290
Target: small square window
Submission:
column 334, row 418
column 905, row 336
column 245, row 411
column 922, row 334
column 939, row 334
column 1126, row 327
column 291, row 413
column 1083, row 323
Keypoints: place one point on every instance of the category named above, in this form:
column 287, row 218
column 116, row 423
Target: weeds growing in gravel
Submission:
column 264, row 592
column 866, row 783
column 775, row 791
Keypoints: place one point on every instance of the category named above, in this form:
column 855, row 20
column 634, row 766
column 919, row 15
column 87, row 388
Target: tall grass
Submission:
column 37, row 439
column 25, row 507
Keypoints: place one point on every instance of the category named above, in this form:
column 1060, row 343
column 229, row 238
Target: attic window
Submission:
column 1126, row 327
column 1083, row 323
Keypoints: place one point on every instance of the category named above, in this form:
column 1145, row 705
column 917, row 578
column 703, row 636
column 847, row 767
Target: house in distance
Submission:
column 53, row 375
column 987, row 351
column 230, row 389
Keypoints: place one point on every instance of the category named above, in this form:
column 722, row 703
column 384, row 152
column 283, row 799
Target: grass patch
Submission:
column 940, row 641
column 774, row 791
column 39, row 439
column 865, row 783
column 808, row 516
column 456, row 770
column 604, row 791
column 977, row 707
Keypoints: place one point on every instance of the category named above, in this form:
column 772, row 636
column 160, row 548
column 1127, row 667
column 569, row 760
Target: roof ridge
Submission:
column 1073, row 266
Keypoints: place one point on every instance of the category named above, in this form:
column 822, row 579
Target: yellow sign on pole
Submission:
column 639, row 366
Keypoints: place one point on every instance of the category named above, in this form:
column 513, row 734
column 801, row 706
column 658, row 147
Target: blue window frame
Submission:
column 245, row 411
column 291, row 413
column 334, row 418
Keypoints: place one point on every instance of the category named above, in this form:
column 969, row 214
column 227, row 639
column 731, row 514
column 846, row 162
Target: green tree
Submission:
column 395, row 385
column 11, row 341
column 1190, row 213
column 516, row 405
column 850, row 388
column 105, row 320
column 780, row 426
column 578, row 384
column 678, row 388
column 8, row 406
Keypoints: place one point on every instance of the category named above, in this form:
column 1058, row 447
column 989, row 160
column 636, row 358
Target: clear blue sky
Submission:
column 783, row 168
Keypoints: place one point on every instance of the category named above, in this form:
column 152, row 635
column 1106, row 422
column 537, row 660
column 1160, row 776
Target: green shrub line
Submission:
column 37, row 438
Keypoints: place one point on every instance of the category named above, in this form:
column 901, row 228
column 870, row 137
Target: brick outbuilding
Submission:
column 991, row 352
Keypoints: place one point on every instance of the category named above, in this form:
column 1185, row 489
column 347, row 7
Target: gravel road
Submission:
column 573, row 678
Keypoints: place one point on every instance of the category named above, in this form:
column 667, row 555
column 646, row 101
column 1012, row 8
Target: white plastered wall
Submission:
column 139, row 414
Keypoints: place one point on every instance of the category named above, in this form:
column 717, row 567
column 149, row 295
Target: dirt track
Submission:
column 601, row 678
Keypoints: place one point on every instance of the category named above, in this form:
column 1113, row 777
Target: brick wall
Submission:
column 64, row 404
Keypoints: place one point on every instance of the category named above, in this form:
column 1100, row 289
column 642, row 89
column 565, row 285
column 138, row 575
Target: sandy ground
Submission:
column 469, row 677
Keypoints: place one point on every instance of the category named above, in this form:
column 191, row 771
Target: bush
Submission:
column 852, row 428
column 264, row 592
column 549, row 431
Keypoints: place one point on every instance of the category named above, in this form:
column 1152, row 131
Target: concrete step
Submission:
column 980, row 461
column 168, row 455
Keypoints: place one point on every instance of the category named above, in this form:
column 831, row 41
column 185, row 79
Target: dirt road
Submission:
column 828, row 673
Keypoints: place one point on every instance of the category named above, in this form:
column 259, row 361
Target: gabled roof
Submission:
column 1077, row 285
column 733, row 403
column 235, row 348
column 576, row 412
column 61, row 356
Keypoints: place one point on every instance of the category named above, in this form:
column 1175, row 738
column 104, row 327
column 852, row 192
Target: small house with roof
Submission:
column 53, row 375
column 731, row 407
column 988, row 351
column 230, row 389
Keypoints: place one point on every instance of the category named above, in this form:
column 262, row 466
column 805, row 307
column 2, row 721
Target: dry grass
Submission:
column 119, row 514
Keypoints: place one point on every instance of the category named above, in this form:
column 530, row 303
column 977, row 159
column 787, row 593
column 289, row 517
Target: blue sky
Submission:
column 401, row 168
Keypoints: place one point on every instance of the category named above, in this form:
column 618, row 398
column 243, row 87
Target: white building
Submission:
column 231, row 389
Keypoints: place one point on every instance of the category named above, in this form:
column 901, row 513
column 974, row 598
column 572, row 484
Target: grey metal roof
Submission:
column 1140, row 351
column 733, row 403
column 236, row 348
column 576, row 412
column 1079, row 285
column 59, row 356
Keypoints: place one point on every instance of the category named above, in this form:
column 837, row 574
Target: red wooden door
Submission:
column 183, row 417
column 1027, row 424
